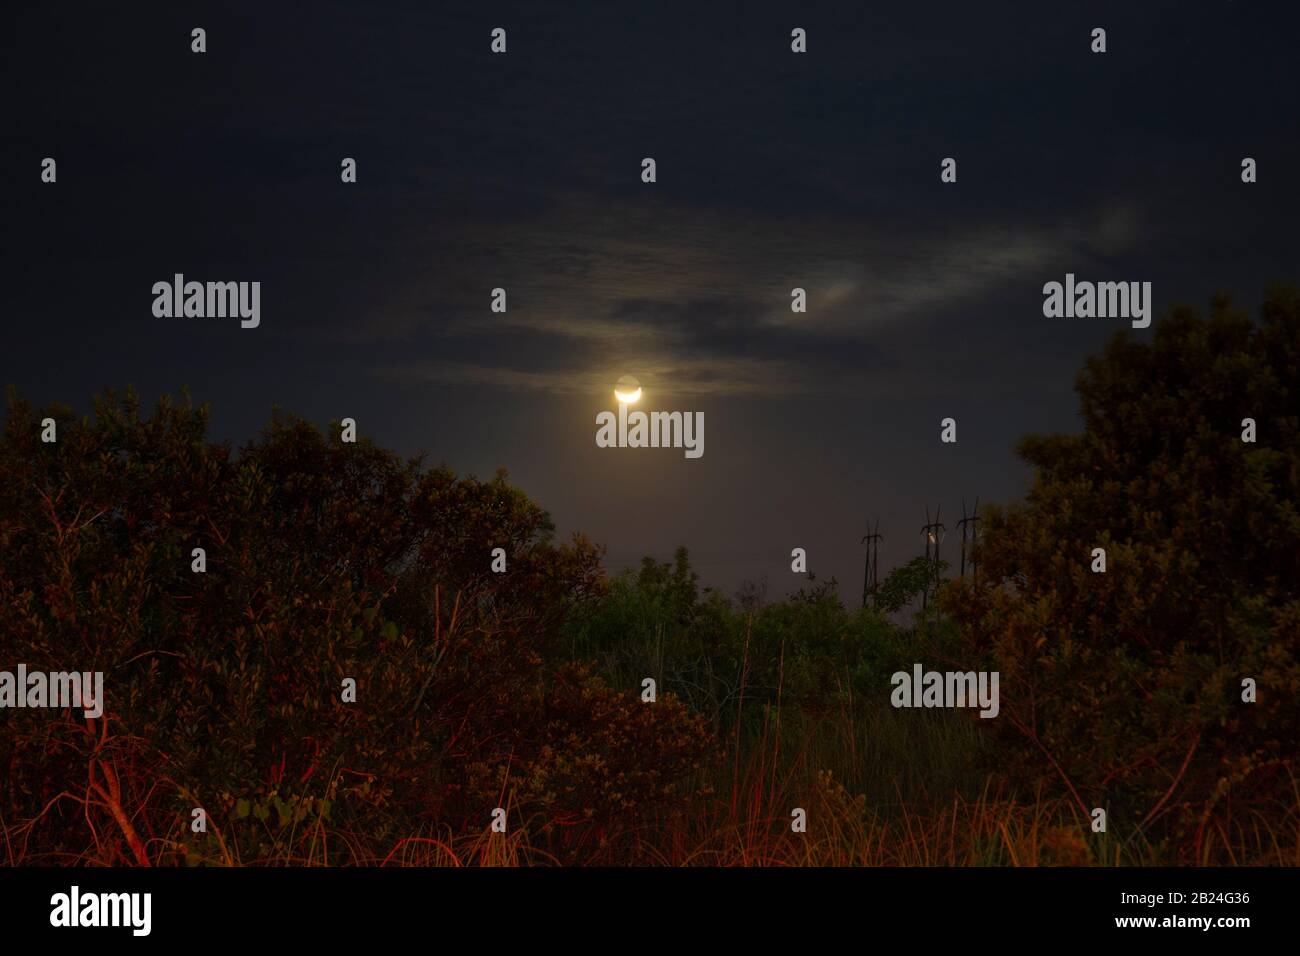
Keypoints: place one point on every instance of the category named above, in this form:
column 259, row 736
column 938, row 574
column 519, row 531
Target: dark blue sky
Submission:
column 523, row 171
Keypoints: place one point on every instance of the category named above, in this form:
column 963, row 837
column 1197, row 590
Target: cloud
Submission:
column 681, row 376
column 701, row 298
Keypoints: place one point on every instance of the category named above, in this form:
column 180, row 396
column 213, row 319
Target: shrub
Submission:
column 1124, row 689
column 325, row 561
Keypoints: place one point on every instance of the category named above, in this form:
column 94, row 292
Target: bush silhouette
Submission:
column 324, row 561
column 1123, row 689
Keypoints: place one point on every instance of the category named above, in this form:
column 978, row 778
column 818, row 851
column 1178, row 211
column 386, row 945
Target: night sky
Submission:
column 522, row 170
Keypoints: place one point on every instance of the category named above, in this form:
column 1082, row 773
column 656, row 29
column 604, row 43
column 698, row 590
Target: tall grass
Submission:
column 879, row 788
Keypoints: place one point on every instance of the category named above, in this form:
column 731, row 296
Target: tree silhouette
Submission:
column 324, row 561
column 1124, row 688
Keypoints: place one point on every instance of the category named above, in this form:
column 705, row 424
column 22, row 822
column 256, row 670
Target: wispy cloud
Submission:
column 701, row 298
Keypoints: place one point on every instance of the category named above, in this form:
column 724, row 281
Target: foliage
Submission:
column 1123, row 689
column 907, row 582
column 324, row 561
column 807, row 650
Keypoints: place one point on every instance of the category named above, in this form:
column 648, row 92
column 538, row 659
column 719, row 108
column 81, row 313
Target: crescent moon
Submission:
column 628, row 398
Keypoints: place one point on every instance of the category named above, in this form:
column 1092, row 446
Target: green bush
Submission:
column 1124, row 690
column 325, row 561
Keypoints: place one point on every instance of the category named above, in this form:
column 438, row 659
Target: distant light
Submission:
column 628, row 390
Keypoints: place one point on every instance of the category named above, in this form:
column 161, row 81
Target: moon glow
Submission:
column 627, row 390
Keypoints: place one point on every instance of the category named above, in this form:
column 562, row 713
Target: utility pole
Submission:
column 974, row 517
column 872, row 569
column 934, row 532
